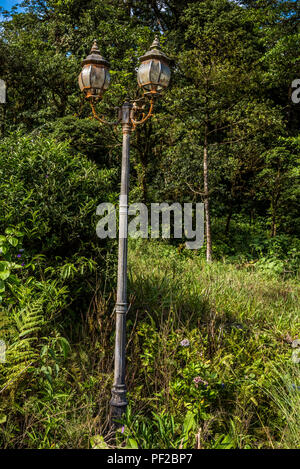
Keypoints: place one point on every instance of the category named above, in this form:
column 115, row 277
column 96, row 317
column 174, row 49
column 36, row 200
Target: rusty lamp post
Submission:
column 153, row 77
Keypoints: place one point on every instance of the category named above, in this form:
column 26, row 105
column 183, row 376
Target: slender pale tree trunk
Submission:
column 228, row 220
column 273, row 227
column 143, row 150
column 206, row 198
column 274, row 204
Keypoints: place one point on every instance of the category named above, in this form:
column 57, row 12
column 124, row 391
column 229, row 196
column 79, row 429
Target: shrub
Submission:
column 51, row 264
column 51, row 195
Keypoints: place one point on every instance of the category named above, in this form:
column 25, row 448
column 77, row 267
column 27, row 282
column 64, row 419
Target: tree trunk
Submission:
column 228, row 220
column 143, row 150
column 289, row 104
column 274, row 217
column 274, row 205
column 273, row 228
column 206, row 198
column 251, row 216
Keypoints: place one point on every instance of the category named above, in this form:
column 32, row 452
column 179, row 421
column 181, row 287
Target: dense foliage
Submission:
column 225, row 133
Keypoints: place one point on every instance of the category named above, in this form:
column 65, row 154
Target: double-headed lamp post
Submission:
column 153, row 77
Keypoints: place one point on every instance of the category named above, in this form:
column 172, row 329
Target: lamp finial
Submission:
column 155, row 44
column 95, row 49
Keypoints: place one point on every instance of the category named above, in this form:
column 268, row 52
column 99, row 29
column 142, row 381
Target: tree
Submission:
column 221, row 49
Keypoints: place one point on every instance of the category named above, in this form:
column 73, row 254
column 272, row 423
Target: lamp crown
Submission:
column 155, row 44
column 155, row 52
column 95, row 48
column 95, row 56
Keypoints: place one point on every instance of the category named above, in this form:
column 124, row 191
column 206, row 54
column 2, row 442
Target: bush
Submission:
column 85, row 136
column 51, row 195
column 51, row 265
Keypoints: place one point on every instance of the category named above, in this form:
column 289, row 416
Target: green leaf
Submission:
column 189, row 422
column 65, row 346
column 9, row 231
column 13, row 241
column 132, row 444
column 4, row 274
column 97, row 442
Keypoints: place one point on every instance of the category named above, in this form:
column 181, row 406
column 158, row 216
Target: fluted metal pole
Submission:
column 118, row 401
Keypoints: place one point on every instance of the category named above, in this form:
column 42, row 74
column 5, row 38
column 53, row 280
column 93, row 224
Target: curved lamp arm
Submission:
column 144, row 117
column 133, row 121
column 101, row 119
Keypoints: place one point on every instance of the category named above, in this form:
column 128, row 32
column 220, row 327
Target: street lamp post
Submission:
column 153, row 77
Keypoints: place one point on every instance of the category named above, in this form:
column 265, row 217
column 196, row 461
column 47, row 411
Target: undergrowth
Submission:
column 209, row 359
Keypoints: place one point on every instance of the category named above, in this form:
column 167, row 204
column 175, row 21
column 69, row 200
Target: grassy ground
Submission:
column 239, row 323
column 209, row 362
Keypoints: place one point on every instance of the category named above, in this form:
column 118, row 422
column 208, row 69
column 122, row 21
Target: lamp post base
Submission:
column 118, row 404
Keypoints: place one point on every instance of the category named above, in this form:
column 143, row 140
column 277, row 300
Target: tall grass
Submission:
column 285, row 393
column 163, row 277
column 238, row 322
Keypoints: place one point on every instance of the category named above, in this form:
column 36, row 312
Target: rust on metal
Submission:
column 144, row 117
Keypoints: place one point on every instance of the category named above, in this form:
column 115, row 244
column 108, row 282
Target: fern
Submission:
column 23, row 349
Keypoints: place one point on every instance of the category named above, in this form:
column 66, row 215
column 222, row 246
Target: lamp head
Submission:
column 154, row 72
column 94, row 77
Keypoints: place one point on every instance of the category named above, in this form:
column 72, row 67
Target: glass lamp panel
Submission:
column 86, row 76
column 165, row 75
column 107, row 79
column 143, row 73
column 80, row 82
column 155, row 71
column 97, row 77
